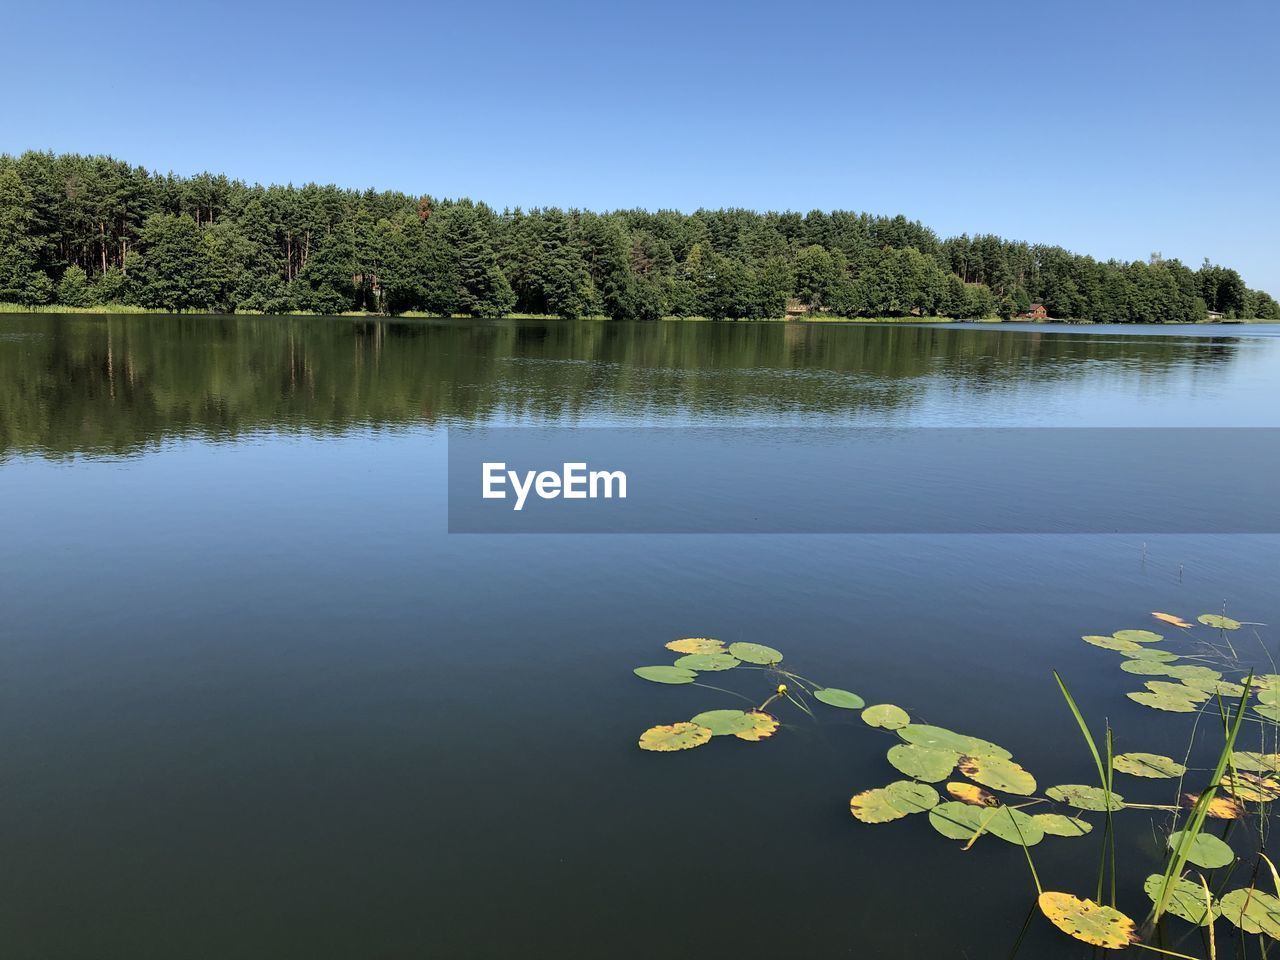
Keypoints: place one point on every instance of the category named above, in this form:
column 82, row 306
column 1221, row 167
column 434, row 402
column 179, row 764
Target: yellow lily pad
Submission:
column 972, row 794
column 696, row 645
column 1088, row 921
column 763, row 725
column 1171, row 619
column 674, row 736
column 899, row 799
column 1220, row 807
column 1250, row 787
column 998, row 774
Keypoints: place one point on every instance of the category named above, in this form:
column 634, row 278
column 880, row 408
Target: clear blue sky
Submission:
column 1115, row 129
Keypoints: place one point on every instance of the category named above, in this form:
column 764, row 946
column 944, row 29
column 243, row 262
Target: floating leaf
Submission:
column 897, row 800
column 1088, row 921
column 1256, row 762
column 1186, row 899
column 1014, row 826
column 1252, row 911
column 944, row 739
column 1221, row 688
column 1148, row 668
column 762, row 726
column 1219, row 622
column 1084, row 797
column 1113, row 643
column 956, row 820
column 1177, row 690
column 1148, row 765
column 1250, row 787
column 706, row 662
column 839, row 698
column 1163, row 701
column 674, row 736
column 1220, row 807
column 885, row 715
column 1268, row 711
column 1138, row 636
column 998, row 774
column 756, row 653
column 923, row 763
column 1170, row 618
column 1060, row 825
column 1152, row 653
column 696, row 645
column 1206, row 850
column 1269, row 695
column 665, row 674
column 972, row 794
column 1188, row 672
column 1267, row 681
column 724, row 722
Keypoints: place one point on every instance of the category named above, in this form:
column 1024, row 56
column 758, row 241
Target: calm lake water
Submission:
column 255, row 702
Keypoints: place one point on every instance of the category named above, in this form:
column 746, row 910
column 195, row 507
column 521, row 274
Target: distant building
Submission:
column 1216, row 315
column 795, row 309
column 1034, row 312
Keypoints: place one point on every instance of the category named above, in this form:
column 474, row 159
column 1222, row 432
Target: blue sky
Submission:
column 1115, row 129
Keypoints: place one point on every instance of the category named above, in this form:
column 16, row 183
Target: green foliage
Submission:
column 321, row 248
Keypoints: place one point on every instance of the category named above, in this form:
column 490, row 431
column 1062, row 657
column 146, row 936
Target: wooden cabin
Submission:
column 1034, row 312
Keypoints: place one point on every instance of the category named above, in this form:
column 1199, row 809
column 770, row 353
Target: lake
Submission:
column 258, row 703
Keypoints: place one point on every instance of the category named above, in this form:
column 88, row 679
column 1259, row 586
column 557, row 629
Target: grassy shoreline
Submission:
column 128, row 309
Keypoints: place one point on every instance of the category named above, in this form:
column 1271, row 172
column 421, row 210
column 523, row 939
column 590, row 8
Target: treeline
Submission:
column 87, row 231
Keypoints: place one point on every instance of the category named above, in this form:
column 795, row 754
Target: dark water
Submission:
column 256, row 703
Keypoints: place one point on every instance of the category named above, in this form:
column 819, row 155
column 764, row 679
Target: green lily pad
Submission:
column 923, row 763
column 723, row 723
column 1060, row 825
column 959, row 821
column 1187, row 899
column 1181, row 690
column 1084, row 797
column 1267, row 681
column 1188, row 671
column 756, row 653
column 885, row 715
column 665, row 674
column 1163, row 701
column 1014, row 826
column 1138, row 636
column 1218, row 688
column 1219, row 622
column 944, row 739
column 899, row 799
column 1148, row 668
column 1206, row 850
column 674, row 736
column 1256, row 762
column 1268, row 711
column 1113, row 643
column 1151, row 765
column 998, row 774
column 707, row 662
column 1252, row 911
column 834, row 697
column 1153, row 653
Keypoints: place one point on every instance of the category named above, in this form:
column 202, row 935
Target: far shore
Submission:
column 127, row 309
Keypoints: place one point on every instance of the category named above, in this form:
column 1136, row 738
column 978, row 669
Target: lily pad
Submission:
column 1162, row 701
column 834, row 697
column 944, row 739
column 1217, row 688
column 998, row 774
column 1268, row 711
column 1014, row 826
column 1206, row 850
column 899, row 799
column 674, row 736
column 885, row 715
column 1256, row 762
column 1138, row 636
column 1253, row 911
column 1187, row 899
column 1220, row 807
column 1148, row 668
column 756, row 653
column 1219, row 622
column 956, row 820
column 1187, row 672
column 1171, row 619
column 707, row 662
column 722, row 723
column 1177, row 690
column 1060, row 825
column 763, row 725
column 972, row 794
column 664, row 674
column 696, row 645
column 1250, row 787
column 1148, row 765
column 1088, row 921
column 1113, row 643
column 1084, row 797
column 1152, row 653
column 923, row 763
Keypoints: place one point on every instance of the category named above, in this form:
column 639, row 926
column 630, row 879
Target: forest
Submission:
column 85, row 231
